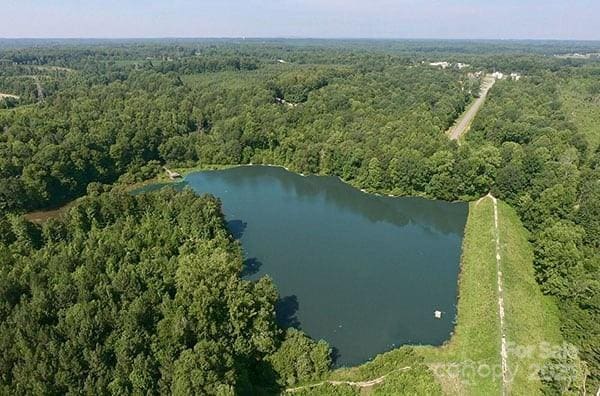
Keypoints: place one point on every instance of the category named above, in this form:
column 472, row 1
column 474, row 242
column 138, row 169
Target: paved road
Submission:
column 465, row 120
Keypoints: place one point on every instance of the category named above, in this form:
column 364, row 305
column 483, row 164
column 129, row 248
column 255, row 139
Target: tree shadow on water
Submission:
column 286, row 310
column 237, row 228
column 250, row 267
column 335, row 355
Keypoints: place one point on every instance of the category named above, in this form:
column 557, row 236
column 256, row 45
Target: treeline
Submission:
column 210, row 55
column 381, row 130
column 347, row 121
column 50, row 153
column 551, row 175
column 140, row 295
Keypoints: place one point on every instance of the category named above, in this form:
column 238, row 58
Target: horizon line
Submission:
column 340, row 38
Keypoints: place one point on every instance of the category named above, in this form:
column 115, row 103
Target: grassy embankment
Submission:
column 531, row 318
column 476, row 338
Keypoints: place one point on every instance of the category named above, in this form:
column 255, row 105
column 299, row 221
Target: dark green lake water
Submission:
column 361, row 271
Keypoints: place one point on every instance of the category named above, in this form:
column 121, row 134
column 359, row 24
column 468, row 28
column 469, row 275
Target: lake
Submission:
column 361, row 271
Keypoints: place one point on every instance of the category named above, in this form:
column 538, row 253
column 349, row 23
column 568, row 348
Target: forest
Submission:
column 140, row 294
column 374, row 113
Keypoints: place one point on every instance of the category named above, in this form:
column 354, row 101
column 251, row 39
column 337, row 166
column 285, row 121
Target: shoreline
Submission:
column 41, row 215
column 185, row 171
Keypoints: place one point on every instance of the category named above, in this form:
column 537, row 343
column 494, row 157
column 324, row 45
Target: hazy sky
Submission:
column 503, row 19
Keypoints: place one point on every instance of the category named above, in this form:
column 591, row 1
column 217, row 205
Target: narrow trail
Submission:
column 358, row 384
column 464, row 122
column 503, row 348
column 4, row 95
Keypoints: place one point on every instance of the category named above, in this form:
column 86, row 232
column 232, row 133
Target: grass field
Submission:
column 531, row 318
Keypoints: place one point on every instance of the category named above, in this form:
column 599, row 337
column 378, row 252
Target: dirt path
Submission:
column 55, row 68
column 359, row 384
column 503, row 348
column 464, row 122
column 3, row 95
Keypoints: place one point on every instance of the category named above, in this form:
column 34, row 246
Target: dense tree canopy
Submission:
column 140, row 294
column 131, row 294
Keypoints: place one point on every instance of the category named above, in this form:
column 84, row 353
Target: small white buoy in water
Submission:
column 438, row 314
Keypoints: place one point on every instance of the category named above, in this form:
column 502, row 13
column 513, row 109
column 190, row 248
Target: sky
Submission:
column 450, row 19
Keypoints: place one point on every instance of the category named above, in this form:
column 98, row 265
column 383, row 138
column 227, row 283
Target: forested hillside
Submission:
column 140, row 295
column 129, row 294
column 336, row 120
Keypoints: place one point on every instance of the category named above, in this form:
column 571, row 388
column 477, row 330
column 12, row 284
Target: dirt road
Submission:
column 464, row 122
column 500, row 286
column 3, row 95
column 360, row 384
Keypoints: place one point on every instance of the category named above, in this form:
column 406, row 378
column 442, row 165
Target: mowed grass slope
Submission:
column 476, row 339
column 532, row 319
column 470, row 362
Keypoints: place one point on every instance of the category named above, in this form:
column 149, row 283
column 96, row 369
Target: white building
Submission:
column 443, row 65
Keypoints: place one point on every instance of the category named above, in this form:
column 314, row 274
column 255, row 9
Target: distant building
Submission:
column 285, row 102
column 172, row 175
column 281, row 61
column 515, row 76
column 443, row 65
column 498, row 75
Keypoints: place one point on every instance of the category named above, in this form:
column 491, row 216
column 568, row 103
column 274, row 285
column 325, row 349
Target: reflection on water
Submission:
column 443, row 216
column 363, row 272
